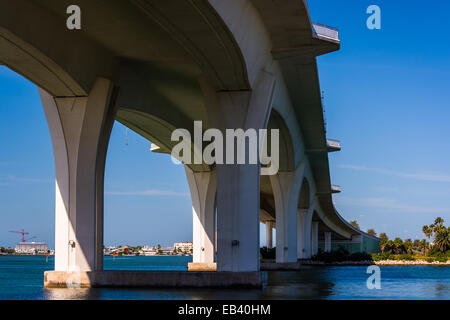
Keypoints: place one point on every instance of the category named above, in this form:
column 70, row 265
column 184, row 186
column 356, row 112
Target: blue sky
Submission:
column 386, row 98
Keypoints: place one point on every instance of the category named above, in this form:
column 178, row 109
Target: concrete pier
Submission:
column 202, row 266
column 158, row 279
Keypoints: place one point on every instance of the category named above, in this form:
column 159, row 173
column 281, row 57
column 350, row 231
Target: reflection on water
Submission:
column 22, row 278
column 304, row 284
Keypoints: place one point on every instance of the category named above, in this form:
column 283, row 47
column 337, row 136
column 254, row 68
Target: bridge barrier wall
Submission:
column 368, row 245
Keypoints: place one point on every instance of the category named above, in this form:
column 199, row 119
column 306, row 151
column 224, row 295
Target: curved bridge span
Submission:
column 156, row 66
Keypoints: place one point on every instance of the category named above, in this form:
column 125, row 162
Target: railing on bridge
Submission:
column 156, row 149
column 335, row 189
column 333, row 145
column 324, row 31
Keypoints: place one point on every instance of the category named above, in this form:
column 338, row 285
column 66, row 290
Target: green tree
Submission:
column 424, row 245
column 438, row 224
column 383, row 245
column 387, row 246
column 442, row 239
column 408, row 244
column 372, row 232
column 354, row 224
column 427, row 231
column 384, row 236
column 439, row 232
column 398, row 242
column 398, row 246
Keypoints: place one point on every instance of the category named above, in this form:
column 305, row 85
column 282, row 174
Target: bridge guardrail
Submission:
column 322, row 30
column 334, row 144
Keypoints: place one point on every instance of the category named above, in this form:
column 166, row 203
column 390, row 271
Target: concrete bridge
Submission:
column 155, row 66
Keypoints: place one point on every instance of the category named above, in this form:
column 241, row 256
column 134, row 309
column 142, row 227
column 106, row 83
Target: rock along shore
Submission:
column 379, row 263
column 411, row 263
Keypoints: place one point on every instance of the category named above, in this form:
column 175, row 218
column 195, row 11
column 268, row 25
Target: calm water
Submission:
column 21, row 277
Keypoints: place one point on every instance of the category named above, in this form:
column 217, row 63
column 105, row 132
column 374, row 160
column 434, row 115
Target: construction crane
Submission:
column 23, row 233
column 26, row 240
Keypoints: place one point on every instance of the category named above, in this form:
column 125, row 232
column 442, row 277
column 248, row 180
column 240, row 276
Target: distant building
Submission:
column 31, row 247
column 148, row 251
column 184, row 246
column 167, row 250
column 107, row 251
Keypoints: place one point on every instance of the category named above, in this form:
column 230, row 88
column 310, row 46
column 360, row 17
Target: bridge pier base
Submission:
column 158, row 279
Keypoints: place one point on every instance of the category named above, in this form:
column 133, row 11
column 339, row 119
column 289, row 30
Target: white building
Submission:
column 107, row 251
column 184, row 246
column 167, row 250
column 148, row 251
column 31, row 247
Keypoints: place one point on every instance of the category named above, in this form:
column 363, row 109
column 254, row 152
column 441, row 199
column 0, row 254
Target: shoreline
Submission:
column 389, row 262
column 378, row 263
column 108, row 255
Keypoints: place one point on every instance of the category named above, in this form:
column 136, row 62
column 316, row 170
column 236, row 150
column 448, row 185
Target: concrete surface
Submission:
column 199, row 266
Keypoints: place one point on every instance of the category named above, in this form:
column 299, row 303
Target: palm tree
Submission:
column 372, row 232
column 408, row 245
column 438, row 224
column 383, row 245
column 390, row 246
column 424, row 245
column 384, row 236
column 398, row 245
column 427, row 231
column 442, row 240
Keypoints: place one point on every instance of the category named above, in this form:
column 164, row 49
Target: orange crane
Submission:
column 23, row 233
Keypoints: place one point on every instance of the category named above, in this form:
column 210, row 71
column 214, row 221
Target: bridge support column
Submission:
column 302, row 213
column 304, row 233
column 238, row 185
column 314, row 238
column 269, row 233
column 286, row 189
column 286, row 216
column 203, row 194
column 327, row 241
column 80, row 128
column 237, row 218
